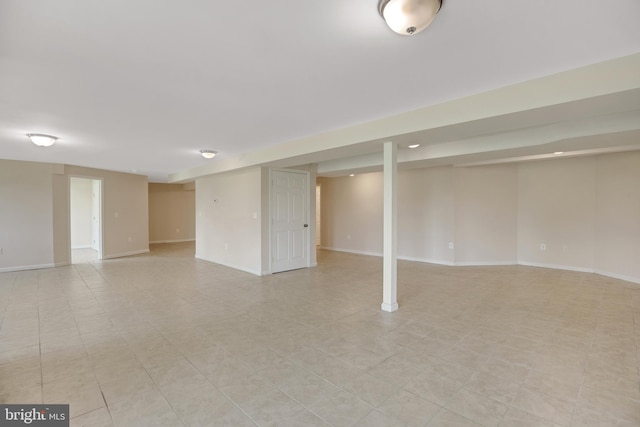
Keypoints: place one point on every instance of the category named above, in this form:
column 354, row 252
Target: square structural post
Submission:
column 390, row 249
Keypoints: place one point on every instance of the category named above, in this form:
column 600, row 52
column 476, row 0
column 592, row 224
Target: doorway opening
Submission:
column 318, row 217
column 85, row 215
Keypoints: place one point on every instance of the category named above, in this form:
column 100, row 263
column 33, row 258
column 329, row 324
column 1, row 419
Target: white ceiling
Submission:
column 142, row 85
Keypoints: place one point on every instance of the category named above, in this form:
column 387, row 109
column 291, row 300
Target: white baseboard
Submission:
column 427, row 260
column 494, row 263
column 485, row 263
column 378, row 254
column 556, row 266
column 618, row 276
column 350, row 251
column 155, row 242
column 124, row 254
column 235, row 267
column 26, row 267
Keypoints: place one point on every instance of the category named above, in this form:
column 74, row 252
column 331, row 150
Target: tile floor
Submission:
column 165, row 339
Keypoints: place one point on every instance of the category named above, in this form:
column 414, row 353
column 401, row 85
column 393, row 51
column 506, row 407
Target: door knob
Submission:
column 306, row 225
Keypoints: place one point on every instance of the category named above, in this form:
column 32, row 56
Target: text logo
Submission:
column 34, row 415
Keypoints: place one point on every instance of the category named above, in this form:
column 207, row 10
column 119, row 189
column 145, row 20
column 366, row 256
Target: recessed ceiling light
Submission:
column 414, row 146
column 42, row 140
column 353, row 174
column 558, row 152
column 208, row 154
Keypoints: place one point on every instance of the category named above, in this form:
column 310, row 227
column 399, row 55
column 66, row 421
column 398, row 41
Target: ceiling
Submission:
column 142, row 85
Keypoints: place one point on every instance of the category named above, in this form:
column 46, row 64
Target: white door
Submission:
column 289, row 220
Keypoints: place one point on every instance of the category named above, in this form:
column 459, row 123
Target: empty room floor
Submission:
column 166, row 339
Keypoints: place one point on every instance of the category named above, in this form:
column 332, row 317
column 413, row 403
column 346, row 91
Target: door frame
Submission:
column 101, row 210
column 307, row 209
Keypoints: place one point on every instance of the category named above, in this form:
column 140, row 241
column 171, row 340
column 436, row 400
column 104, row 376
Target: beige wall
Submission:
column 426, row 215
column 471, row 208
column 228, row 219
column 125, row 218
column 34, row 213
column 586, row 211
column 172, row 213
column 351, row 213
column 556, row 207
column 26, row 211
column 486, row 220
column 617, row 249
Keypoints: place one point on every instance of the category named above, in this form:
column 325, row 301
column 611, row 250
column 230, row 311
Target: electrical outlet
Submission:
column 129, row 239
column 543, row 247
column 177, row 230
column 450, row 245
column 1, row 251
column 348, row 236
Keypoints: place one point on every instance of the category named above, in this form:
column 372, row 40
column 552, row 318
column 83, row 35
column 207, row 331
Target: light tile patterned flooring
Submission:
column 165, row 339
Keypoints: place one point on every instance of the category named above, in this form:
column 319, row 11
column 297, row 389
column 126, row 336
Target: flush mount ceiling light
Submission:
column 208, row 154
column 414, row 146
column 42, row 140
column 408, row 17
column 557, row 153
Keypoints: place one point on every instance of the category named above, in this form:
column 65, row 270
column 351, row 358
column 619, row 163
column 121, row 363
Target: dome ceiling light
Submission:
column 408, row 17
column 208, row 154
column 42, row 140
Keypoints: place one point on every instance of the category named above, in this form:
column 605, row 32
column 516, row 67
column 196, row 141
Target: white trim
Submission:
column 618, row 276
column 124, row 254
column 389, row 307
column 556, row 266
column 631, row 279
column 378, row 254
column 82, row 247
column 485, row 263
column 235, row 267
column 155, row 242
column 426, row 260
column 26, row 267
column 350, row 251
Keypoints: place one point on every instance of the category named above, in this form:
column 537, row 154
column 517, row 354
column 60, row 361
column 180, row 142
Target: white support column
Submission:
column 390, row 250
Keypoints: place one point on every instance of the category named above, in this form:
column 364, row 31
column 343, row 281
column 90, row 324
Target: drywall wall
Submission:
column 26, row 211
column 351, row 213
column 486, row 226
column 172, row 213
column 81, row 212
column 125, row 219
column 556, row 208
column 426, row 215
column 228, row 219
column 35, row 213
column 585, row 211
column 617, row 248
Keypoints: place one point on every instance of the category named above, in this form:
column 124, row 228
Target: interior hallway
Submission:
column 166, row 339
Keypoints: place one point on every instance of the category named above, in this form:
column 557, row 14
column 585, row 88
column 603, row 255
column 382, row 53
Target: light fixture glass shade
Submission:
column 208, row 154
column 408, row 17
column 42, row 140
